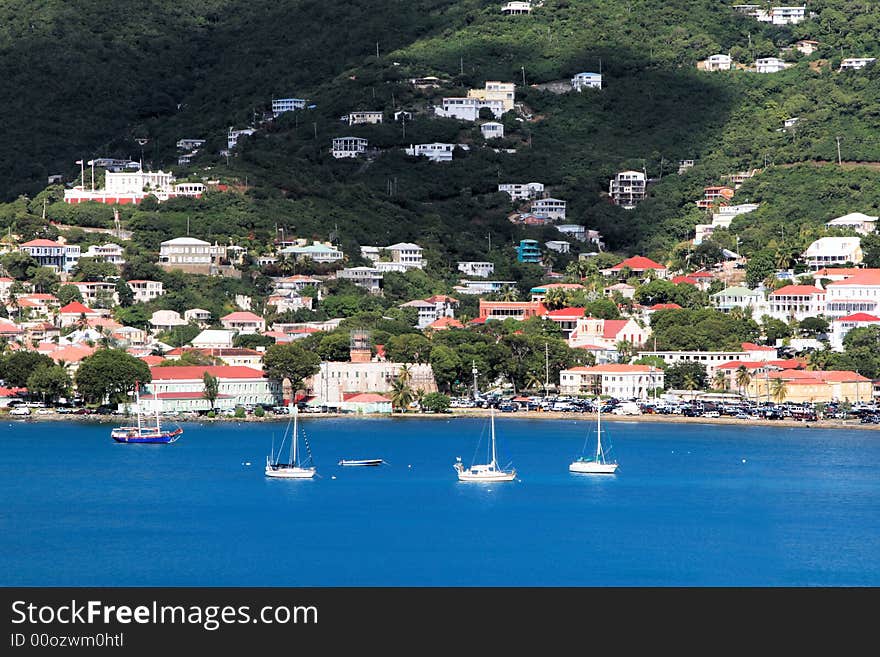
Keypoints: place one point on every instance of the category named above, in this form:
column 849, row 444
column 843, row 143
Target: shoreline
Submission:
column 470, row 413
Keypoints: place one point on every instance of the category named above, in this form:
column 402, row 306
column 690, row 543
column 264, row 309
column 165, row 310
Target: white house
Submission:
column 109, row 252
column 770, row 65
column 432, row 308
column 54, row 255
column 214, row 339
column 613, row 379
column 855, row 63
column 468, row 109
column 786, row 15
column 628, row 189
column 166, row 320
column 99, row 294
column 583, row 81
column 408, row 254
column 516, row 8
column 358, row 118
column 857, row 221
column 368, row 278
column 716, row 63
column 827, row 251
column 477, row 268
column 482, row 287
column 559, row 246
column 607, row 332
column 740, row 297
column 522, row 191
column 436, row 152
column 806, row 46
column 233, row 135
column 582, row 234
column 859, row 292
column 724, row 214
column 492, row 130
column 197, row 315
column 190, row 254
column 796, row 302
column 712, row 360
column 316, row 251
column 343, row 147
column 552, row 208
column 189, row 144
column 282, row 105
column 243, row 322
column 840, row 326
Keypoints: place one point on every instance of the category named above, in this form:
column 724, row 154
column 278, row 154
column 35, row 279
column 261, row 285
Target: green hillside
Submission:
column 84, row 79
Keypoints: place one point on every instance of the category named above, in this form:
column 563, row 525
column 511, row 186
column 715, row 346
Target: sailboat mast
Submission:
column 599, row 430
column 294, row 437
column 137, row 395
column 493, row 437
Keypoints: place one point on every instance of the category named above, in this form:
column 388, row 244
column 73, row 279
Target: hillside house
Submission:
column 368, row 278
column 637, row 266
column 857, row 221
column 796, row 302
column 628, row 188
column 552, row 208
column 435, row 152
column 477, row 268
column 468, row 109
column 770, row 65
column 244, row 322
column 831, row 251
column 364, row 118
column 282, row 105
column 348, row 147
column 432, row 309
column 493, row 90
column 56, row 256
column 492, row 130
column 612, row 380
column 522, row 191
column 719, row 62
column 516, row 8
column 109, row 252
column 856, row 63
column 582, row 81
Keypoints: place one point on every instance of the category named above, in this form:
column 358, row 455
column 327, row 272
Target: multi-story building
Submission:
column 712, row 360
column 361, row 118
column 528, row 251
column 502, row 310
column 628, row 189
column 337, row 379
column 192, row 255
column 494, row 90
column 740, row 297
column 132, row 187
column 182, row 388
column 408, row 254
column 858, row 292
column 368, row 278
column 638, row 266
column 522, row 191
column 613, row 380
column 145, row 291
column 56, row 256
column 468, row 109
column 559, row 246
column 189, row 144
column 282, row 105
column 477, row 268
column 583, row 81
column 716, row 63
column 714, row 195
column 344, row 147
column 855, row 63
column 109, row 252
column 831, row 251
column 552, row 208
column 796, row 302
column 99, row 294
column 607, row 332
column 516, row 8
column 233, row 135
column 436, row 152
column 432, row 309
column 786, row 15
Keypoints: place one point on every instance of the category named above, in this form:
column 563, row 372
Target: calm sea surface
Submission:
column 692, row 505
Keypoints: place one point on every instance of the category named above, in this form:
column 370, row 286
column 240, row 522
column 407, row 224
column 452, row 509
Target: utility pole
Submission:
column 546, row 367
column 461, row 65
column 474, row 372
column 315, row 126
column 377, row 50
column 523, row 69
column 839, row 161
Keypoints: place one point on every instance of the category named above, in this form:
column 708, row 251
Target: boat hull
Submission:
column 135, row 438
column 592, row 467
column 289, row 472
column 361, row 463
column 481, row 475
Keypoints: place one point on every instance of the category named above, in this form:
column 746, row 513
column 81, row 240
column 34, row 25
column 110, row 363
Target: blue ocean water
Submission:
column 692, row 505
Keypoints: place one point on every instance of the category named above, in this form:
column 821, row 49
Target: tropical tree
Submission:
column 292, row 362
column 743, row 379
column 625, row 351
column 510, row 294
column 401, row 395
column 533, row 381
column 212, row 388
column 49, row 382
column 778, row 390
column 435, row 402
column 110, row 374
column 556, row 298
column 719, row 381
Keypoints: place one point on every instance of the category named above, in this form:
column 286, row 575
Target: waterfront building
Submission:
column 613, row 379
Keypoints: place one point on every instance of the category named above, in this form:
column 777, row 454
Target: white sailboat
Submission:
column 484, row 472
column 293, row 469
column 595, row 464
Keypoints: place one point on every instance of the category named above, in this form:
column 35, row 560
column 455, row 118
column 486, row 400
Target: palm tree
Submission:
column 779, row 390
column 401, row 394
column 509, row 294
column 743, row 379
column 719, row 382
column 405, row 374
column 689, row 382
column 555, row 298
column 533, row 381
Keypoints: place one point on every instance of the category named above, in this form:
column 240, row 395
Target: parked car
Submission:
column 20, row 410
column 711, row 414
